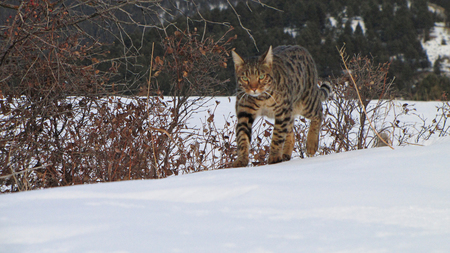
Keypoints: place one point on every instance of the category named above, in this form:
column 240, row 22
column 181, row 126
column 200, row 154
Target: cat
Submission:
column 280, row 84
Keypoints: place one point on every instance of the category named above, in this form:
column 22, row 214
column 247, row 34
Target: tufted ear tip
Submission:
column 267, row 58
column 238, row 61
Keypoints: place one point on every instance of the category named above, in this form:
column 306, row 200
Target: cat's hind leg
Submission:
column 314, row 112
column 288, row 146
column 312, row 139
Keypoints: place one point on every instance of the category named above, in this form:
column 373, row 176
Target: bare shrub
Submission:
column 349, row 113
column 42, row 61
column 410, row 127
column 213, row 147
column 188, row 70
column 189, row 62
column 59, row 124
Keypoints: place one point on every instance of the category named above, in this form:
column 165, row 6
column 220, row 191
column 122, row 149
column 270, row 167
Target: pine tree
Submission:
column 423, row 19
column 437, row 66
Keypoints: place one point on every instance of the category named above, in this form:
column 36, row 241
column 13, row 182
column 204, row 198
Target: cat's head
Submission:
column 253, row 75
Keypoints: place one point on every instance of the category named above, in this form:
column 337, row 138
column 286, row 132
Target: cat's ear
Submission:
column 238, row 61
column 267, row 58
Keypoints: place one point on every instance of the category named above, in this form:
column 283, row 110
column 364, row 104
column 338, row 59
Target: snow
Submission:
column 220, row 6
column 435, row 47
column 354, row 23
column 291, row 31
column 373, row 200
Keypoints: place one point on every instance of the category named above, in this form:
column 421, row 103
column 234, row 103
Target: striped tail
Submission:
column 326, row 89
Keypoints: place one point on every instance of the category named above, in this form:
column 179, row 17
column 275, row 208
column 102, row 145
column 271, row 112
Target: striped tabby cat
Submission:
column 280, row 84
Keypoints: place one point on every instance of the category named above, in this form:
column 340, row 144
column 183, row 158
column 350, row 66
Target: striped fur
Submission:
column 280, row 84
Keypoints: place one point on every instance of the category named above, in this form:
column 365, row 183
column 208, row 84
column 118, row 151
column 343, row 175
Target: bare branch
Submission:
column 9, row 6
column 343, row 58
column 25, row 171
column 248, row 31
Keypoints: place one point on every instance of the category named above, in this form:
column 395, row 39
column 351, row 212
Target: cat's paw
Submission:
column 240, row 162
column 286, row 157
column 311, row 147
column 275, row 159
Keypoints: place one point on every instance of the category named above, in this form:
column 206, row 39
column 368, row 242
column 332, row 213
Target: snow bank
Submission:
column 374, row 200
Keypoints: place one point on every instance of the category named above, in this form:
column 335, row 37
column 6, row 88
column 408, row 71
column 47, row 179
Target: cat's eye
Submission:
column 262, row 76
column 244, row 78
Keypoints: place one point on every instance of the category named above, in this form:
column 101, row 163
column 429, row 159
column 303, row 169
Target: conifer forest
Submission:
column 121, row 37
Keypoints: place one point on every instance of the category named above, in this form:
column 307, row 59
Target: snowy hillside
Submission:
column 439, row 46
column 373, row 200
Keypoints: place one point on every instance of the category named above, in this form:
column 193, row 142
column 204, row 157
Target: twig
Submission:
column 150, row 76
column 342, row 54
column 6, row 78
column 162, row 131
column 148, row 97
column 9, row 6
column 265, row 5
column 414, row 144
column 242, row 26
column 23, row 171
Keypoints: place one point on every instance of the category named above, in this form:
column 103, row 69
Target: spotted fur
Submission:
column 280, row 84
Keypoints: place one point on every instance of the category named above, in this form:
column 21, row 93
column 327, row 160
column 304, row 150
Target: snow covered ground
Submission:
column 373, row 200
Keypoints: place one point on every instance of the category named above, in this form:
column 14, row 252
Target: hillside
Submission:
column 400, row 32
column 376, row 200
column 438, row 47
column 388, row 31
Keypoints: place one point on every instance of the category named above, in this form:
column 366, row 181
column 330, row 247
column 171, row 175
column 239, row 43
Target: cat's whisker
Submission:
column 245, row 95
column 270, row 96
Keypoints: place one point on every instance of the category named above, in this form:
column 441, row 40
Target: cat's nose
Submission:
column 253, row 86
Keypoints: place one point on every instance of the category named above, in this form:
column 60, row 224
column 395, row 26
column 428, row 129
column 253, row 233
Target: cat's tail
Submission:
column 326, row 89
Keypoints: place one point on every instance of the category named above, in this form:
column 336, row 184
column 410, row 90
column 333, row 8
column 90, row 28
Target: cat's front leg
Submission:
column 243, row 136
column 280, row 131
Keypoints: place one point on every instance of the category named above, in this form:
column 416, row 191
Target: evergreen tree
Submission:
column 346, row 38
column 423, row 19
column 391, row 32
column 437, row 66
column 360, row 41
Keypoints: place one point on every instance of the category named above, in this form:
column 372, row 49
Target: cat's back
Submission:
column 292, row 52
column 294, row 68
column 293, row 58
